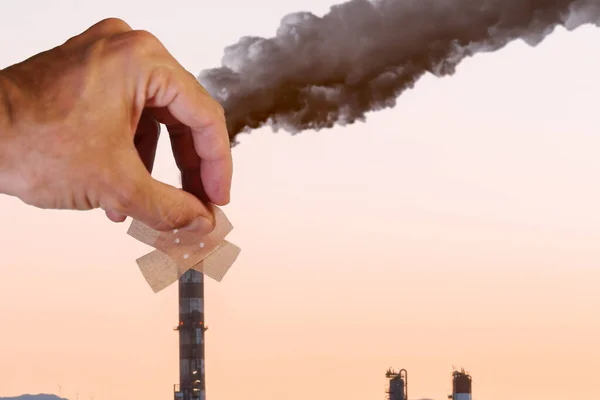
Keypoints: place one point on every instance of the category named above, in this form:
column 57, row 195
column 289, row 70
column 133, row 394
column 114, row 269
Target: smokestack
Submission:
column 461, row 386
column 321, row 71
column 191, row 330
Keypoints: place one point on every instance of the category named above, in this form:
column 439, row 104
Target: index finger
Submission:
column 170, row 87
column 211, row 143
column 203, row 155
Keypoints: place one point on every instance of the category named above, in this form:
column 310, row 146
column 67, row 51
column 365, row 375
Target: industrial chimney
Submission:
column 191, row 337
column 461, row 386
column 398, row 389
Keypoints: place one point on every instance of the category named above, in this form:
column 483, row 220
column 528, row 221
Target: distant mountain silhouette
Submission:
column 34, row 397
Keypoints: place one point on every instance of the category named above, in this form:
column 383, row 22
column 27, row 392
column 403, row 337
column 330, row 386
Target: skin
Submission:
column 79, row 127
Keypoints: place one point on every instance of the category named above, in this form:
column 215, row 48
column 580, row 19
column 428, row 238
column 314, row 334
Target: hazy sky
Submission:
column 460, row 228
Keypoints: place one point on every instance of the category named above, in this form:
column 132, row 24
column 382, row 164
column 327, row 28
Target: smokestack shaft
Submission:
column 191, row 336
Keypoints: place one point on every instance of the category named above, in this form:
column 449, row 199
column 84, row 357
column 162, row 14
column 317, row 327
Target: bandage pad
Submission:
column 179, row 251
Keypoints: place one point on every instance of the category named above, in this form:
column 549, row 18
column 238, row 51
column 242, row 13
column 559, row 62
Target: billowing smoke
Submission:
column 321, row 71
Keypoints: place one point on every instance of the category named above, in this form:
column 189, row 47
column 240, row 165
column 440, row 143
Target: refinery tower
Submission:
column 461, row 386
column 398, row 384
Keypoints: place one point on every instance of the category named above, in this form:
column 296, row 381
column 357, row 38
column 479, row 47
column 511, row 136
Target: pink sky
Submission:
column 460, row 228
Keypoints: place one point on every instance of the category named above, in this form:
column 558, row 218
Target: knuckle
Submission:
column 32, row 199
column 219, row 110
column 32, row 194
column 114, row 25
column 126, row 196
column 136, row 44
column 142, row 39
column 194, row 78
column 174, row 217
column 40, row 196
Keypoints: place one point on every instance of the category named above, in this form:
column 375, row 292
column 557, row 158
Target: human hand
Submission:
column 81, row 128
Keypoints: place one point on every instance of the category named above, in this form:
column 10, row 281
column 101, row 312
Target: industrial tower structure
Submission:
column 398, row 384
column 461, row 385
column 191, row 330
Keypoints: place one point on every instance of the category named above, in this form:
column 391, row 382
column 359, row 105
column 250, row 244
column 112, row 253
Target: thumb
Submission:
column 160, row 206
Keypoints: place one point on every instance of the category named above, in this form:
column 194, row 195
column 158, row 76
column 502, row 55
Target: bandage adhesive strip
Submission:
column 178, row 251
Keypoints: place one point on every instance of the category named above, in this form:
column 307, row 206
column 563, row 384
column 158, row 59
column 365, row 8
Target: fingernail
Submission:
column 200, row 226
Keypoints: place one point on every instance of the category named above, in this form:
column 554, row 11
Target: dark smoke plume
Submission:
column 321, row 71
